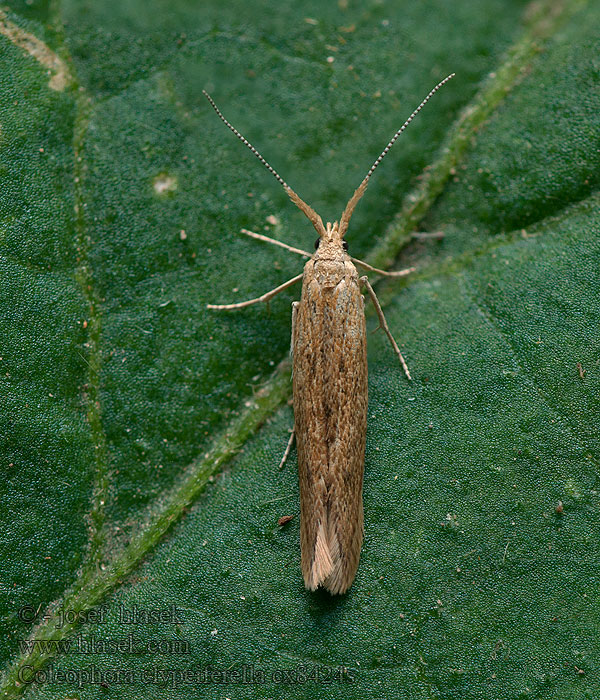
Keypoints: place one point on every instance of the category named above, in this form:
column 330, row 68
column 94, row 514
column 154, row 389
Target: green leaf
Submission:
column 141, row 433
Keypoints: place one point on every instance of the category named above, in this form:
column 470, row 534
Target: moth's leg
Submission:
column 383, row 324
column 264, row 297
column 288, row 448
column 422, row 235
column 260, row 237
column 398, row 273
column 295, row 305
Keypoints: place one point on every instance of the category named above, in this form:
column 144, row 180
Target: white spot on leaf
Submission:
column 164, row 183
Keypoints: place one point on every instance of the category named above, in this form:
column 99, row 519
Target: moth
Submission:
column 329, row 369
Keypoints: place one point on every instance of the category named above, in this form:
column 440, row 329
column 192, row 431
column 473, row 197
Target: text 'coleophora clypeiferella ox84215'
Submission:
column 329, row 353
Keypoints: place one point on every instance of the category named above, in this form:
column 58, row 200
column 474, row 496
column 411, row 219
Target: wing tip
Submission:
column 320, row 564
column 327, row 568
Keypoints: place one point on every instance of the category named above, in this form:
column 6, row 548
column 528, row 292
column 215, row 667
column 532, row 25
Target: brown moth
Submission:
column 329, row 352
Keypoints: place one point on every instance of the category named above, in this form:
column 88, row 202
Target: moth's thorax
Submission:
column 329, row 272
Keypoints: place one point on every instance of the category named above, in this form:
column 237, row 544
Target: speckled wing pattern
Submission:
column 330, row 409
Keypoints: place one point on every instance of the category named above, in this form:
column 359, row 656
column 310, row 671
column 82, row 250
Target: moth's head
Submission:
column 330, row 240
column 331, row 234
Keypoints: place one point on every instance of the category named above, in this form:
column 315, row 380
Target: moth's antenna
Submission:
column 309, row 211
column 363, row 185
column 245, row 141
column 406, row 123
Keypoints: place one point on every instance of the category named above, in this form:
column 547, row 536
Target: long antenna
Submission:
column 363, row 185
column 309, row 211
column 406, row 123
column 312, row 215
column 246, row 142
